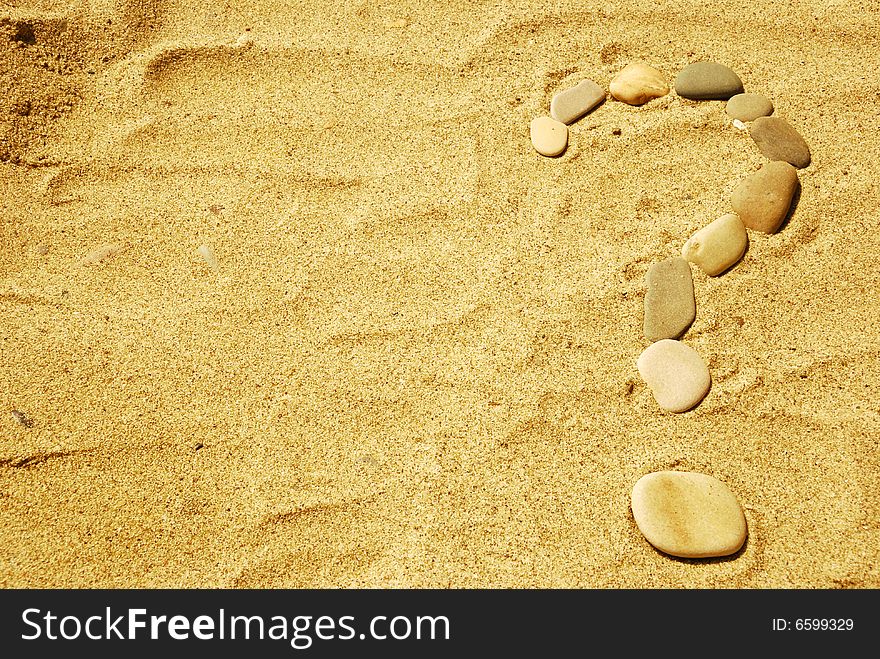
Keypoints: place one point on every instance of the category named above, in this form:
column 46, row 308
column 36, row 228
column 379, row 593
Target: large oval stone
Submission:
column 762, row 199
column 705, row 81
column 778, row 140
column 675, row 373
column 688, row 514
column 670, row 307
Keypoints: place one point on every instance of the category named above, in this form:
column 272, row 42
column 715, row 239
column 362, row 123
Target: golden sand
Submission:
column 415, row 362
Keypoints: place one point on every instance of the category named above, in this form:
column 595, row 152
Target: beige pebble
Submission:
column 42, row 249
column 570, row 105
column 208, row 255
column 670, row 307
column 102, row 253
column 675, row 373
column 778, row 140
column 763, row 198
column 748, row 107
column 549, row 137
column 638, row 83
column 718, row 245
column 688, row 514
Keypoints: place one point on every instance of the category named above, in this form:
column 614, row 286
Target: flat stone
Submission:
column 208, row 257
column 705, row 81
column 748, row 107
column 549, row 137
column 669, row 301
column 102, row 253
column 570, row 105
column 762, row 199
column 675, row 373
column 687, row 514
column 718, row 245
column 778, row 140
column 638, row 83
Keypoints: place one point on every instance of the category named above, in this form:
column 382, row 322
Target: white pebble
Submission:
column 208, row 255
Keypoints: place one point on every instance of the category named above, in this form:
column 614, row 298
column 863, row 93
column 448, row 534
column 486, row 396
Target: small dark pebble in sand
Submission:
column 23, row 419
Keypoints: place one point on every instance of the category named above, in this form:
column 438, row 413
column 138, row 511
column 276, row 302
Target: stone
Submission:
column 102, row 253
column 703, row 81
column 748, row 107
column 208, row 257
column 638, row 83
column 778, row 140
column 762, row 199
column 675, row 373
column 570, row 105
column 688, row 514
column 718, row 245
column 669, row 300
column 549, row 137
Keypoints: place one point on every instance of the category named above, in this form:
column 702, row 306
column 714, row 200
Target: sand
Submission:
column 415, row 363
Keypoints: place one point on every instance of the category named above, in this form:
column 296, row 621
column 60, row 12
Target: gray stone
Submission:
column 705, row 81
column 669, row 301
column 570, row 105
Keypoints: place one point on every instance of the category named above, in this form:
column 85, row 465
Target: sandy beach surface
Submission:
column 415, row 362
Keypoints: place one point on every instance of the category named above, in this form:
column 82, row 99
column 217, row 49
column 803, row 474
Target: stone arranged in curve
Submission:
column 705, row 81
column 748, row 107
column 637, row 83
column 682, row 513
column 549, row 137
column 571, row 104
column 675, row 373
column 688, row 514
column 718, row 246
column 778, row 140
column 762, row 199
column 670, row 307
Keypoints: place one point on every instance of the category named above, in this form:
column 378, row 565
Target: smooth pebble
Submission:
column 675, row 373
column 762, row 199
column 101, row 253
column 748, row 107
column 688, row 514
column 207, row 255
column 549, row 137
column 718, row 245
column 669, row 300
column 570, row 105
column 705, row 81
column 778, row 140
column 638, row 83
